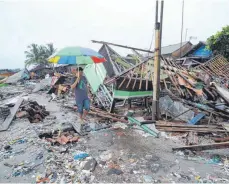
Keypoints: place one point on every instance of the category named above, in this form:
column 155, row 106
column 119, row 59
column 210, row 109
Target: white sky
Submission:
column 75, row 23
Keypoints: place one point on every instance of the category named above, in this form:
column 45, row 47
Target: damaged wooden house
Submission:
column 129, row 79
column 121, row 79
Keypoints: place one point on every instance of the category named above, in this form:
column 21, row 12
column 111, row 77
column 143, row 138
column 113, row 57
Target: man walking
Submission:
column 79, row 85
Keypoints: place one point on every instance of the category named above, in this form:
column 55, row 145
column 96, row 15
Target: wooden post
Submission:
column 157, row 55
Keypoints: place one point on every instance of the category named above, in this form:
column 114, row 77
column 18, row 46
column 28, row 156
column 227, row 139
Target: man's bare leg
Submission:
column 85, row 112
column 81, row 118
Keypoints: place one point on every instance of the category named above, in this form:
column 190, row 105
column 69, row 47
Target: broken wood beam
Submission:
column 187, row 125
column 104, row 112
column 123, row 46
column 107, row 116
column 203, row 147
column 200, row 130
column 223, row 139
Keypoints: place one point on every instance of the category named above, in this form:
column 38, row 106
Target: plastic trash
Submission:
column 80, row 156
column 17, row 173
column 21, row 141
column 215, row 160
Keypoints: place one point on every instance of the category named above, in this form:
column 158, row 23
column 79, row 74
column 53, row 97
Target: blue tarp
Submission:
column 202, row 52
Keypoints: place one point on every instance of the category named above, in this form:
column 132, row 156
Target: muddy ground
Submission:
column 115, row 154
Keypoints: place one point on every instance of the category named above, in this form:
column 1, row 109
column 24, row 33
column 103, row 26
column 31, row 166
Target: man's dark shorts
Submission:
column 83, row 105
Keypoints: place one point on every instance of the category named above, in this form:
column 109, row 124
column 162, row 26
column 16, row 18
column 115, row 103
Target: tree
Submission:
column 219, row 43
column 38, row 54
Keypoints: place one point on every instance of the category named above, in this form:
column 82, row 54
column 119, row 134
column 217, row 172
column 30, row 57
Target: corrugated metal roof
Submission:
column 171, row 48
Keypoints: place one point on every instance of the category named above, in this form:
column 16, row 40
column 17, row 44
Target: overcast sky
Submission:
column 75, row 23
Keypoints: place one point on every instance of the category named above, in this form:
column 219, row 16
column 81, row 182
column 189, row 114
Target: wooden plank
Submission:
column 223, row 139
column 5, row 125
column 190, row 130
column 203, row 147
column 107, row 116
column 188, row 126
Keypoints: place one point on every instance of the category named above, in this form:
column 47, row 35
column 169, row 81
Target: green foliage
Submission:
column 219, row 43
column 38, row 54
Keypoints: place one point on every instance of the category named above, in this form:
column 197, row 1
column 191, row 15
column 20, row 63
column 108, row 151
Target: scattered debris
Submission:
column 63, row 138
column 90, row 165
column 114, row 171
column 192, row 138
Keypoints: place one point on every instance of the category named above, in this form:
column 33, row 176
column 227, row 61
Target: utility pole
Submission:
column 157, row 55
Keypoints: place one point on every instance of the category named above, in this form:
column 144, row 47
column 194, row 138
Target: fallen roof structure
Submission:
column 217, row 66
column 115, row 62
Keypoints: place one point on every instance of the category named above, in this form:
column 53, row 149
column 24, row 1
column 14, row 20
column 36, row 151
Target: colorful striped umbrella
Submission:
column 76, row 55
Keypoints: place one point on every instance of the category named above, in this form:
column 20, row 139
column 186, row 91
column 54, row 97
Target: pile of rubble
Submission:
column 33, row 111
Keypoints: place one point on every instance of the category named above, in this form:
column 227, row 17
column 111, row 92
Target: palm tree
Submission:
column 49, row 49
column 33, row 55
column 38, row 54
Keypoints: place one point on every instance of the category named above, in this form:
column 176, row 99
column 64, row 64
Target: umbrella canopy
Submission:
column 76, row 55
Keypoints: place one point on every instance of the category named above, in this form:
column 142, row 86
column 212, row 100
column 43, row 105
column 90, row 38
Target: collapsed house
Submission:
column 129, row 80
column 196, row 55
column 42, row 70
column 19, row 76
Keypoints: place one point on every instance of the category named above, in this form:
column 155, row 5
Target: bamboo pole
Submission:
column 123, row 46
